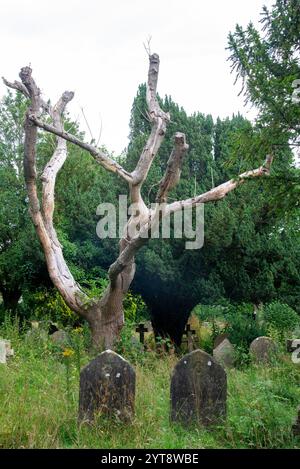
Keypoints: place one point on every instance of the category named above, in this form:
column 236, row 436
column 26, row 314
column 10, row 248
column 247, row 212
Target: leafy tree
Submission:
column 267, row 63
column 21, row 260
column 249, row 254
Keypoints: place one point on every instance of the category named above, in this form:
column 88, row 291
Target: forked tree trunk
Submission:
column 107, row 319
column 105, row 315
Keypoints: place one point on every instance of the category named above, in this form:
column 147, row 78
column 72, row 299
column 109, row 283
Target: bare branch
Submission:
column 222, row 190
column 159, row 120
column 174, row 165
column 18, row 86
column 57, row 267
column 56, row 162
column 147, row 46
column 99, row 156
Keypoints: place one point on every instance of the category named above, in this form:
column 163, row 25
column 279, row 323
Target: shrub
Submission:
column 281, row 317
column 209, row 312
column 242, row 327
column 47, row 304
column 135, row 308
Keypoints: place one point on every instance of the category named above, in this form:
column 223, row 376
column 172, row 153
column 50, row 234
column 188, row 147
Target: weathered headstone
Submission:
column 5, row 350
column 188, row 332
column 219, row 339
column 198, row 390
column 148, row 325
column 224, row 353
column 9, row 350
column 59, row 337
column 35, row 324
column 36, row 333
column 2, row 352
column 262, row 349
column 292, row 344
column 107, row 386
column 296, row 426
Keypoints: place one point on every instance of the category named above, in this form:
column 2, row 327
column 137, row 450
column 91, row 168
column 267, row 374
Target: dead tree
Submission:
column 104, row 315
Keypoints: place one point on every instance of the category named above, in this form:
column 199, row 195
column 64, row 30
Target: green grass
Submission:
column 39, row 408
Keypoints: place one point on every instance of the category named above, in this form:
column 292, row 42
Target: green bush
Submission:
column 209, row 312
column 281, row 317
column 242, row 327
column 46, row 304
column 238, row 320
column 135, row 308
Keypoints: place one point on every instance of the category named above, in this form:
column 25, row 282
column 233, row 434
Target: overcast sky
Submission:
column 95, row 48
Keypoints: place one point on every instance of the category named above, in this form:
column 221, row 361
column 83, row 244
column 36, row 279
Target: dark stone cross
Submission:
column 189, row 334
column 141, row 329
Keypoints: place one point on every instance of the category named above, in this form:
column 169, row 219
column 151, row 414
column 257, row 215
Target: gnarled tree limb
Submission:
column 42, row 218
column 105, row 315
column 174, row 165
column 222, row 190
column 18, row 86
column 99, row 156
column 159, row 120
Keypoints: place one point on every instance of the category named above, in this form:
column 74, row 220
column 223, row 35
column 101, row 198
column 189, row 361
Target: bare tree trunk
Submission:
column 105, row 315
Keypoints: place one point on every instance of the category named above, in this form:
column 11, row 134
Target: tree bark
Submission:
column 105, row 315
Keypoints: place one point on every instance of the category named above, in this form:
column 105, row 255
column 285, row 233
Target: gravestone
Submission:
column 198, row 390
column 219, row 339
column 148, row 324
column 36, row 333
column 107, row 386
column 224, row 353
column 141, row 329
column 292, row 344
column 296, row 426
column 262, row 349
column 9, row 350
column 59, row 338
column 2, row 351
column 35, row 324
column 5, row 350
column 188, row 332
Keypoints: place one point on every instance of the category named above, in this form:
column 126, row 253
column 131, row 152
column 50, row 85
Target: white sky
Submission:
column 95, row 48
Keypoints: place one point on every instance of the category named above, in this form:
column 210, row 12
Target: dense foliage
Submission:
column 251, row 250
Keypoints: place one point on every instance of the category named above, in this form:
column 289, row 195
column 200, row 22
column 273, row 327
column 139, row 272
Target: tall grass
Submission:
column 37, row 411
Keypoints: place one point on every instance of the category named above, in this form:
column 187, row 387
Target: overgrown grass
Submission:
column 37, row 411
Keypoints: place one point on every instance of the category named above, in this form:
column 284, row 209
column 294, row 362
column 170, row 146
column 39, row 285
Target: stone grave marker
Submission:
column 2, row 351
column 296, row 426
column 224, row 353
column 198, row 390
column 262, row 349
column 107, row 386
column 5, row 350
column 188, row 332
column 292, row 344
column 219, row 339
column 59, row 338
column 141, row 329
column 9, row 350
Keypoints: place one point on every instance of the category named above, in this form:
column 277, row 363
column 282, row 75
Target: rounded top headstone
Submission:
column 262, row 349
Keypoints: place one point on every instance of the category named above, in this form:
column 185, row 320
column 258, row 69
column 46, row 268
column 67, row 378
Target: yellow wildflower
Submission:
column 68, row 352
